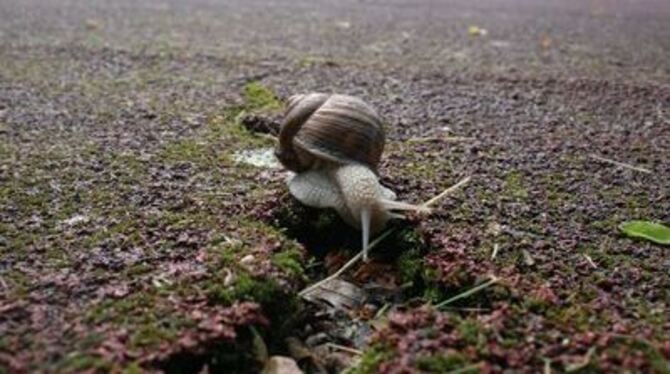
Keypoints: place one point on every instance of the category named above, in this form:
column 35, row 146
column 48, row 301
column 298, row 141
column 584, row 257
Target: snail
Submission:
column 334, row 144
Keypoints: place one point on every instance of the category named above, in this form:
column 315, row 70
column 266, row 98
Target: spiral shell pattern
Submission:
column 338, row 129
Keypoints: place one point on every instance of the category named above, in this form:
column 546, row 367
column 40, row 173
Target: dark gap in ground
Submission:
column 322, row 232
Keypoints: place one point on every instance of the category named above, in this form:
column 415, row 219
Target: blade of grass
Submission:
column 469, row 292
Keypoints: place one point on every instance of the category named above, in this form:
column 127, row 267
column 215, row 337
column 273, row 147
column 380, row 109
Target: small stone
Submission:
column 75, row 220
column 281, row 365
column 246, row 260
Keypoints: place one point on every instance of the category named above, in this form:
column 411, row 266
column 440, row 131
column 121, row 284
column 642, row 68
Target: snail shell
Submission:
column 333, row 129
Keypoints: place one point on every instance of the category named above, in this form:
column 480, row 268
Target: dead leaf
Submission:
column 377, row 273
column 335, row 260
column 338, row 294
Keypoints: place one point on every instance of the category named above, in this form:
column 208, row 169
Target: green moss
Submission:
column 573, row 315
column 245, row 288
column 138, row 269
column 471, row 331
column 259, row 97
column 79, row 361
column 442, row 363
column 192, row 150
column 535, row 304
column 228, row 252
column 151, row 335
column 133, row 368
column 433, row 291
column 289, row 261
column 371, row 359
column 410, row 265
column 515, row 186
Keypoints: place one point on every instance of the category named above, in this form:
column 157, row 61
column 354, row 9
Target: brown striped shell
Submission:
column 333, row 129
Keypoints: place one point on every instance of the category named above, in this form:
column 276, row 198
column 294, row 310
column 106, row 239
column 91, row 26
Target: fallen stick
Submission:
column 374, row 243
column 621, row 164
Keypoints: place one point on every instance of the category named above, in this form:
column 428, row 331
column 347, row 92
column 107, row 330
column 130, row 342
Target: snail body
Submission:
column 334, row 145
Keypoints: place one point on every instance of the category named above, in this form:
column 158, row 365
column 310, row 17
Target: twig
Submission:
column 621, row 164
column 446, row 192
column 495, row 251
column 345, row 349
column 469, row 292
column 374, row 243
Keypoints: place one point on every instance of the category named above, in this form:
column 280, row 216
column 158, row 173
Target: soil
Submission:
column 131, row 240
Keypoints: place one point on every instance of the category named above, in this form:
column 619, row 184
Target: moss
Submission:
column 289, row 260
column 410, row 265
column 536, row 304
column 79, row 361
column 442, row 363
column 191, row 150
column 151, row 335
column 515, row 186
column 138, row 269
column 133, row 368
column 371, row 359
column 471, row 331
column 246, row 288
column 433, row 291
column 575, row 315
column 259, row 97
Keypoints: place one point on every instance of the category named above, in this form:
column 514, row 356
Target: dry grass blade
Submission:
column 446, row 192
column 621, row 164
column 496, row 247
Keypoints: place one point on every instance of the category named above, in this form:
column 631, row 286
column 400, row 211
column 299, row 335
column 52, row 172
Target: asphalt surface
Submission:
column 109, row 115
